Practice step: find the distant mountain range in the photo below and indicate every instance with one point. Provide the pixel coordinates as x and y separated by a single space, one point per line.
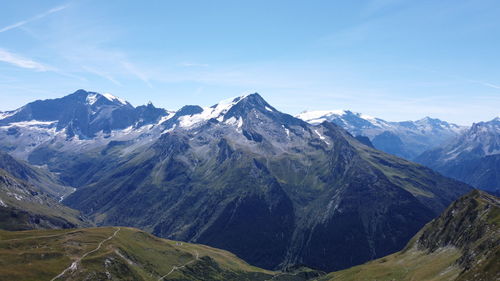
407 139
239 175
473 158
470 154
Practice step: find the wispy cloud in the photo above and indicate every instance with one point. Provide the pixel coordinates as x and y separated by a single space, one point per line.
37 17
22 62
133 70
486 84
26 63
103 75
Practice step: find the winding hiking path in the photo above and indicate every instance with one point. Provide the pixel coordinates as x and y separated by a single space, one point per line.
74 265
179 267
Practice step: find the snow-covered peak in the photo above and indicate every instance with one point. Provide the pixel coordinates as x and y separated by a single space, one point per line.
216 111
319 116
110 97
92 98
430 124
482 136
344 118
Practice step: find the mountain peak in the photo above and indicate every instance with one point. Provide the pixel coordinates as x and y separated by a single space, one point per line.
237 107
112 98
92 98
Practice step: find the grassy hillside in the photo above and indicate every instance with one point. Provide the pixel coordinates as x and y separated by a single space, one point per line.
119 253
462 244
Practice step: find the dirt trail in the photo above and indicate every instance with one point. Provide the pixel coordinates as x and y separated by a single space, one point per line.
74 265
179 267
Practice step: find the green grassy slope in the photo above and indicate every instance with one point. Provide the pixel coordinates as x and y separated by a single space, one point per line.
119 253
462 244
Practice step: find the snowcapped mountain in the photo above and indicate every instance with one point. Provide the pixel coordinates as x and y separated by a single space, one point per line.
474 157
239 175
406 139
82 114
79 119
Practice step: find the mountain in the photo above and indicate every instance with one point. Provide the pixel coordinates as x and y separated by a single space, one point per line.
267 186
121 253
77 117
473 158
462 244
23 206
40 177
406 139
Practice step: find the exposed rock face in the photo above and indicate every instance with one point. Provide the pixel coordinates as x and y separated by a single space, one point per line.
462 244
472 224
23 207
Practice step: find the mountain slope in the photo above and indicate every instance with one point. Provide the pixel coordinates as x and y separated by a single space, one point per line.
269 187
120 253
473 158
23 206
44 180
406 139
461 244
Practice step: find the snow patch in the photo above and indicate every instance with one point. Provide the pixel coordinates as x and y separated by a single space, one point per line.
319 116
321 137
166 117
30 123
2 203
235 122
7 114
91 99
217 112
110 97
268 109
286 130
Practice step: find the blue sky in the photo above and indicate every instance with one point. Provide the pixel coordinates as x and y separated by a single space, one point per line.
393 59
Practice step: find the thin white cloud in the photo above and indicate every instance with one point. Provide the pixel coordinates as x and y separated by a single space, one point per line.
26 63
103 75
490 85
37 17
133 70
22 62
